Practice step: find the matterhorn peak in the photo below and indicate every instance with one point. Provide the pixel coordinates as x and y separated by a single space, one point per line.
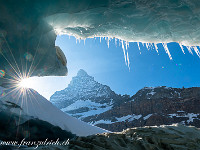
82 72
84 88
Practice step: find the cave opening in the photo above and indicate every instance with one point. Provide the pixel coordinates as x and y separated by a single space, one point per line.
104 59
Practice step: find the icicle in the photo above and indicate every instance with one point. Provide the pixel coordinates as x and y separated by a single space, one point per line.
156 48
76 40
167 50
100 39
120 42
148 46
115 42
190 49
151 45
196 51
108 41
84 41
181 46
138 45
128 60
126 45
143 45
124 52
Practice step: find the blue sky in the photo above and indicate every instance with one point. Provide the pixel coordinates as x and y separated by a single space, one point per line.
108 67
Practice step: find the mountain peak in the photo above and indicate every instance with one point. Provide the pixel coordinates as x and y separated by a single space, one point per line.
82 72
81 80
84 89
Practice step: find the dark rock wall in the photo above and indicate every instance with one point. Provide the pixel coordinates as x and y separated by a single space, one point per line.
161 107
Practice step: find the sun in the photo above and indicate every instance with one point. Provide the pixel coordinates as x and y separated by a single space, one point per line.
25 83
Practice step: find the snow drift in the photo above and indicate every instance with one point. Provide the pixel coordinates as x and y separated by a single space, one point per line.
34 105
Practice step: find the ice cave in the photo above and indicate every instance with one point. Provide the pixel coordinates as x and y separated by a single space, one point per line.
28 30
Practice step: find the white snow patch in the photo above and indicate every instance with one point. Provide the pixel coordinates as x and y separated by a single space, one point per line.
191 116
147 117
181 111
94 108
102 121
134 117
128 118
121 119
93 112
124 118
152 93
81 103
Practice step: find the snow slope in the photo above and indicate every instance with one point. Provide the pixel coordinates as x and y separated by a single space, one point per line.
94 108
38 107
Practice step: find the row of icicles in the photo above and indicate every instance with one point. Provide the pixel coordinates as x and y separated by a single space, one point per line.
125 45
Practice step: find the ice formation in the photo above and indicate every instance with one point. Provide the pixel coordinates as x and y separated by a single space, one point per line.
28 29
149 22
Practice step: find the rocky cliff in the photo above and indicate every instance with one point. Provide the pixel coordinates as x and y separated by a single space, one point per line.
153 106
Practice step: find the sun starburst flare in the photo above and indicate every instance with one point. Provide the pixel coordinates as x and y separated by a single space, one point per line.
25 82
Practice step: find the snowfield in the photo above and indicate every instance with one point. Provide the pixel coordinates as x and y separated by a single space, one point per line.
36 106
128 118
94 108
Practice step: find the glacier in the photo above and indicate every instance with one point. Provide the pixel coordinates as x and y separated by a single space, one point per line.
148 22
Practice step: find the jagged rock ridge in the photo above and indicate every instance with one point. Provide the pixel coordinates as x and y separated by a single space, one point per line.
153 106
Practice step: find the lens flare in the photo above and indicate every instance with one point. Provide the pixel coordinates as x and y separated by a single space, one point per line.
2 93
28 56
2 73
25 83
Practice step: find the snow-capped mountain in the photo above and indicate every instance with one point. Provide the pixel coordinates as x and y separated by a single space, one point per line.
86 97
33 106
98 105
